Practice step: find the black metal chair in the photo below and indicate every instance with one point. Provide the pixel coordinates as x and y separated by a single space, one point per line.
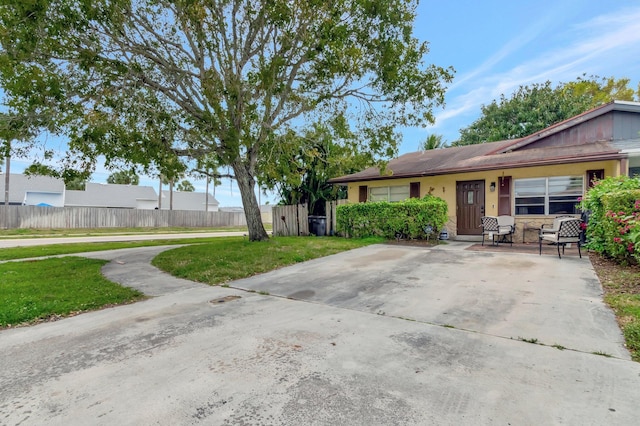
569 231
489 227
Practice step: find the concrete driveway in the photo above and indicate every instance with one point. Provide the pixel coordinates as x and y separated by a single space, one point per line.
379 335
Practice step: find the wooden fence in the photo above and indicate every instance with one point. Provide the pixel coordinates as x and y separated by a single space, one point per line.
294 219
87 217
290 220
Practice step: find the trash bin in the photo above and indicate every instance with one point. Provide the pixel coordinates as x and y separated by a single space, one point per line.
444 234
318 225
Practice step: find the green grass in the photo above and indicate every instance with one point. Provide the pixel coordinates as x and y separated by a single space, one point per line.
33 233
627 310
223 260
38 290
72 248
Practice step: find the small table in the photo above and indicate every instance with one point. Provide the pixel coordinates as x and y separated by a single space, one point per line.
526 227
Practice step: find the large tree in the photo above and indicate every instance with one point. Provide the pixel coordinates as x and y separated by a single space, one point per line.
303 163
123 177
536 107
147 81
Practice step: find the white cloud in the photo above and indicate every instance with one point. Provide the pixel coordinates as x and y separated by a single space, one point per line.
605 45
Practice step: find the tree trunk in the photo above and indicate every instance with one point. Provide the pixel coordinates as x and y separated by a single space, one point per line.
206 197
160 194
171 194
7 178
247 184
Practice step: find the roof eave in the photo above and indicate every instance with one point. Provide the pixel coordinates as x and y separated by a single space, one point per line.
612 155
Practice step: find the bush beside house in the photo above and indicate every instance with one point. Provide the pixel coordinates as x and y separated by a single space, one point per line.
614 224
410 218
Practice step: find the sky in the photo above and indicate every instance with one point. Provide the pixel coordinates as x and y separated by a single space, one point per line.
495 46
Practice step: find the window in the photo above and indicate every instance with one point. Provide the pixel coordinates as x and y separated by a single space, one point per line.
553 195
389 193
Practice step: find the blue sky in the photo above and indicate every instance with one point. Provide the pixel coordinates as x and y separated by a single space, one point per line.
495 47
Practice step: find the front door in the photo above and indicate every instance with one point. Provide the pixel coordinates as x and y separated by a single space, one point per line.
469 206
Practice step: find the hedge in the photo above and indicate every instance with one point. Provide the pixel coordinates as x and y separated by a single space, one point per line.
614 224
409 219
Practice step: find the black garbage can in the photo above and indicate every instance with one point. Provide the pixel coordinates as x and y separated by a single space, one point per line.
318 225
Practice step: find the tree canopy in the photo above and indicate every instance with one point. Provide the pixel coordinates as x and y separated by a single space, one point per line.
433 142
123 177
151 82
538 106
185 186
303 163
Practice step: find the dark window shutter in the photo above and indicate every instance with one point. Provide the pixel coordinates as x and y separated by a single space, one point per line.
594 175
504 195
364 193
414 190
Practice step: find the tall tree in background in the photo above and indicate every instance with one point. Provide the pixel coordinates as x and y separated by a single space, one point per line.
123 177
151 79
433 142
185 186
536 107
303 163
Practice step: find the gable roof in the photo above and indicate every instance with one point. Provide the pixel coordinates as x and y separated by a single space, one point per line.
504 154
110 195
19 184
574 121
187 200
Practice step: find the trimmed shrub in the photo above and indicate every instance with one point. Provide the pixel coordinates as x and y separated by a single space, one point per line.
409 218
614 224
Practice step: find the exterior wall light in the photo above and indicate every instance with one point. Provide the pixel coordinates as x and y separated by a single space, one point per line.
492 187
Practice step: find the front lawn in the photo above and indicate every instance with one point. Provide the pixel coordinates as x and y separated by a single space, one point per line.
47 289
621 285
221 261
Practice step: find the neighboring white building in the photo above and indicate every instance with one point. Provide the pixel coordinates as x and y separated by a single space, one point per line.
114 196
33 190
194 201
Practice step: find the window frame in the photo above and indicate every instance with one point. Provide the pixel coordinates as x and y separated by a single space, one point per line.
548 199
388 195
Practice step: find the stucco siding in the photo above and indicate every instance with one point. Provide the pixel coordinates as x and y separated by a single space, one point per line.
444 186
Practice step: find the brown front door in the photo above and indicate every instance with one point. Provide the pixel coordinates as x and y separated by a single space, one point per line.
470 206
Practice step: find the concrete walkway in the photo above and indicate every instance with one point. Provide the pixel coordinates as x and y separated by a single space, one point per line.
379 335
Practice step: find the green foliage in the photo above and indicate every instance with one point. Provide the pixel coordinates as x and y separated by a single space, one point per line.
536 107
614 223
185 186
123 177
73 179
301 164
408 218
150 81
433 142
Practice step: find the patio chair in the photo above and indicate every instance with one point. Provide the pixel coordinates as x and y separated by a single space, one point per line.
569 231
506 227
489 227
551 229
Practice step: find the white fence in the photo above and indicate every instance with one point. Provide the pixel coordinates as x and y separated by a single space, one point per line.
87 217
